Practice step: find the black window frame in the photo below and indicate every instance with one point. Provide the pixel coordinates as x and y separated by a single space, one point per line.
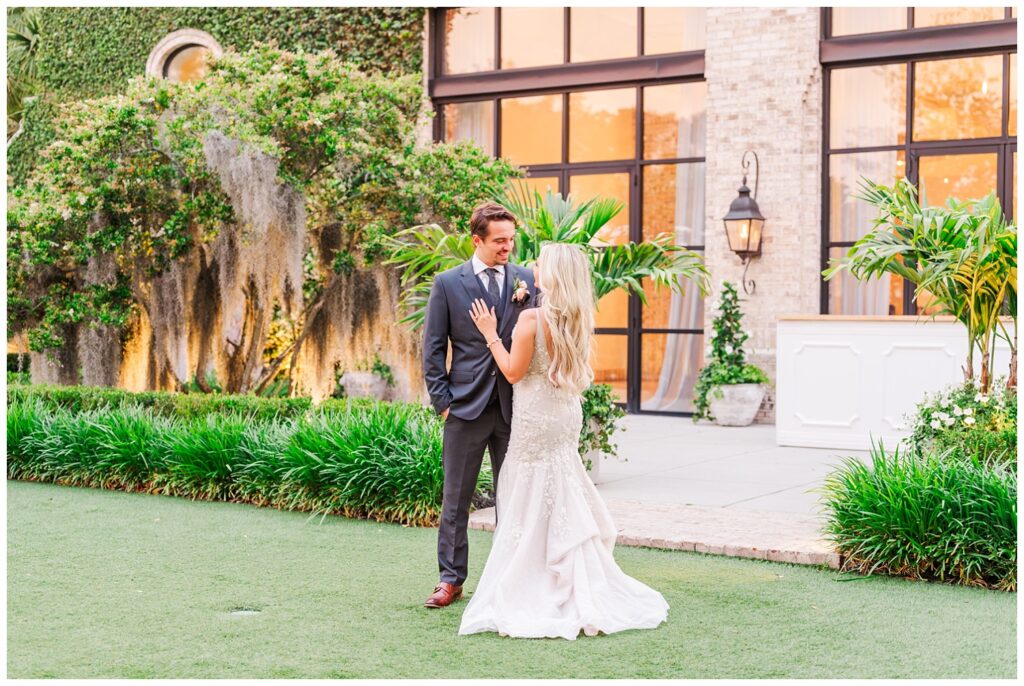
563 79
909 47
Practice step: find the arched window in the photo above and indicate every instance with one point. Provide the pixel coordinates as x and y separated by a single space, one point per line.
181 56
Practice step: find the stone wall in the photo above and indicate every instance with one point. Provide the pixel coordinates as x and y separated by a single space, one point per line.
210 312
765 94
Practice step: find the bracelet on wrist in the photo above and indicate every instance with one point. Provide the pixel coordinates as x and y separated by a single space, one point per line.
496 340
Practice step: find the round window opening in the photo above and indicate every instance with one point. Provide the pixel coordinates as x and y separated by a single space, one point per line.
183 56
187 63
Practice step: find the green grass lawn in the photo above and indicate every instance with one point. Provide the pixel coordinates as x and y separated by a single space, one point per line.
109 584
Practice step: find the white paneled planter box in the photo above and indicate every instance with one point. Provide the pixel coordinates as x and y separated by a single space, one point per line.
845 380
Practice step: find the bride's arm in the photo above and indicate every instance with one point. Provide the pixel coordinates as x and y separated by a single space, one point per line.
513 364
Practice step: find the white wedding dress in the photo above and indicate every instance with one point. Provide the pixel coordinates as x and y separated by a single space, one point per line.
550 572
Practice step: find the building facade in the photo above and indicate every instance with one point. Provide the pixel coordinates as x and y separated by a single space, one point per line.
656 107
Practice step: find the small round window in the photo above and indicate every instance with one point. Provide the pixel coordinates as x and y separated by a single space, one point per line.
183 56
187 63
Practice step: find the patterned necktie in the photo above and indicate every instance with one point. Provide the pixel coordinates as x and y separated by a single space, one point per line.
492 286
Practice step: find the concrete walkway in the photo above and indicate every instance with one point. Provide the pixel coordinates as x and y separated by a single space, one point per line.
720 490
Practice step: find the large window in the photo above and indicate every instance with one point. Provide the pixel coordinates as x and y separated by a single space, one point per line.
945 120
615 132
847 21
482 39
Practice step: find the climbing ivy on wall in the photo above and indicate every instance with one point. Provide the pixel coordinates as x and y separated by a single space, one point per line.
87 52
37 132
90 51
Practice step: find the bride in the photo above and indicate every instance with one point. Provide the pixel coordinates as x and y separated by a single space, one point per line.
550 572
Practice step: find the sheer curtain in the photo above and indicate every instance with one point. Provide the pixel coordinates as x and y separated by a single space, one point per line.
683 351
867 108
472 121
850 219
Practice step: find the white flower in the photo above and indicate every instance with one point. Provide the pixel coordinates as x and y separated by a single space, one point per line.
942 415
950 421
968 420
957 411
935 424
983 399
968 411
944 402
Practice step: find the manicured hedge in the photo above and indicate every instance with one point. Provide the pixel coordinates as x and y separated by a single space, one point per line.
181 405
935 516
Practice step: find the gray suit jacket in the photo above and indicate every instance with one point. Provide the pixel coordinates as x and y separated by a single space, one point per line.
467 386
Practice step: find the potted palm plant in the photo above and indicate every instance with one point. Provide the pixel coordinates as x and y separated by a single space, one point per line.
729 390
964 255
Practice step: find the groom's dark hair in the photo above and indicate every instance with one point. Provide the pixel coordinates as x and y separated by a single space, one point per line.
486 213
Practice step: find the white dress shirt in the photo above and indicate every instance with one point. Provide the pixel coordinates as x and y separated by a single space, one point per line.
480 269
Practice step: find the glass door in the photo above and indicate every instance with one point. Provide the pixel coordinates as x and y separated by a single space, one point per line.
615 336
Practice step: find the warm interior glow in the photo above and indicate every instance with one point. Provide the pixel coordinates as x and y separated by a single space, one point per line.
531 129
472 121
602 125
851 20
673 29
532 36
951 101
468 40
675 120
188 65
602 33
612 309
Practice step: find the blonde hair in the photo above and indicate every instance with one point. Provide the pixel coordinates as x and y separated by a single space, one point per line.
568 308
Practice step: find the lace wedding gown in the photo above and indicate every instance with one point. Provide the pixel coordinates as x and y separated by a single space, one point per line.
550 572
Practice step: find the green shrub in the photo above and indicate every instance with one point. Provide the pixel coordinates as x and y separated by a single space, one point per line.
926 516
181 405
961 421
357 458
599 405
202 456
18 378
24 419
258 479
384 459
109 448
726 361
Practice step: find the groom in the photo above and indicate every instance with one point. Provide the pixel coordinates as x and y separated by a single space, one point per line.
474 397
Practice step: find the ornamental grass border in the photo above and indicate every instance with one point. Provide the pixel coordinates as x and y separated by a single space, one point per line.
363 459
936 516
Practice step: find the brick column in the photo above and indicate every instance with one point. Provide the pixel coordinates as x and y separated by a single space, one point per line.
764 93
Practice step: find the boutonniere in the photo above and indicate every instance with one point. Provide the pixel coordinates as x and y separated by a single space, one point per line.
520 292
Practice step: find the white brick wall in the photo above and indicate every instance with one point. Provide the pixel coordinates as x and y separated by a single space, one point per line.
764 93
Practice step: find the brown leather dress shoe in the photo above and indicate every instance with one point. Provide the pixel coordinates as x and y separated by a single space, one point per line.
444 595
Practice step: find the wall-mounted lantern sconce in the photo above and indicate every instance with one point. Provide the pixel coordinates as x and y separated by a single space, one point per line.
743 222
